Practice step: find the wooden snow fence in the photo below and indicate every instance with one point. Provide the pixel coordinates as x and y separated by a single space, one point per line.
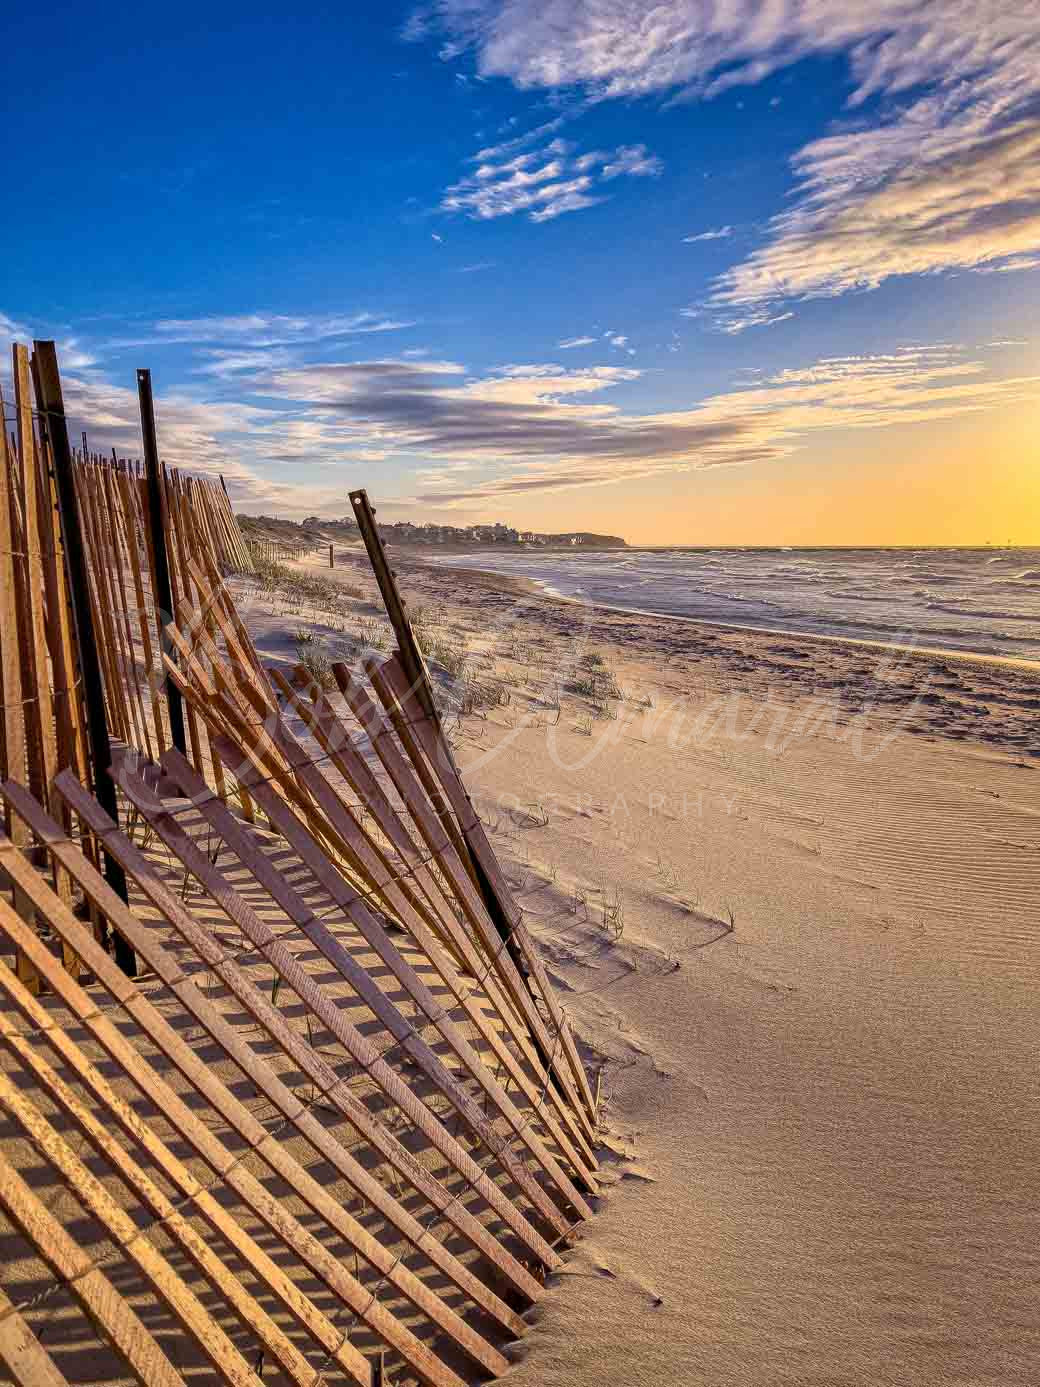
46 713
337 1128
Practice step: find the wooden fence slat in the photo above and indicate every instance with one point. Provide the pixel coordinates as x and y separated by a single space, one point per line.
331 734
130 531
431 741
12 689
310 701
404 1031
225 1358
388 1147
25 1358
213 593
62 680
359 1047
99 1134
375 872
247 1059
113 1317
307 700
401 770
180 586
179 525
13 743
113 508
103 604
67 690
286 1227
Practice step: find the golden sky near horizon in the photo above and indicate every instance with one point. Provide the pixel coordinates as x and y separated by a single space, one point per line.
971 481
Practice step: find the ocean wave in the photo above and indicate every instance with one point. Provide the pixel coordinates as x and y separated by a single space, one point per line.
981 614
967 600
847 595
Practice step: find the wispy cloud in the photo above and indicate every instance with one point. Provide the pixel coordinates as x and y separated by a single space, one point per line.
965 198
13 331
543 427
275 329
719 234
544 182
518 142
520 429
741 322
227 363
946 176
570 342
632 161
192 434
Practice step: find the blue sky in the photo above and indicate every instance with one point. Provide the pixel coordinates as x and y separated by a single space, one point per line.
548 262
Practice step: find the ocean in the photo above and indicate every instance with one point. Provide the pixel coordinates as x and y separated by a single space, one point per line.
983 601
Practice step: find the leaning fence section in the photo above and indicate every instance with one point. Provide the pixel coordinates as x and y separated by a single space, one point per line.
289 1095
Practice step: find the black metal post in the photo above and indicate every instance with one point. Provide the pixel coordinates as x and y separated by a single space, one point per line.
53 422
163 594
418 677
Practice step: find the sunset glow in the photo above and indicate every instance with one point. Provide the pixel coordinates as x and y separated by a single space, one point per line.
740 276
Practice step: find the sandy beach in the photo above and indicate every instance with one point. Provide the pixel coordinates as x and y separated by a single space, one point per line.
789 891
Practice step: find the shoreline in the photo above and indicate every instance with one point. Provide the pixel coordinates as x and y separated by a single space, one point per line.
933 651
946 695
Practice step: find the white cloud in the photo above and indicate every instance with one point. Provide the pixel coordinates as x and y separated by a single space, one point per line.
620 48
274 329
632 161
965 197
544 182
757 319
576 342
72 354
192 434
719 234
13 331
567 197
226 364
944 177
511 146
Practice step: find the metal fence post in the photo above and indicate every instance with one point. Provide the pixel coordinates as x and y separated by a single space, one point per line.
52 412
164 595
